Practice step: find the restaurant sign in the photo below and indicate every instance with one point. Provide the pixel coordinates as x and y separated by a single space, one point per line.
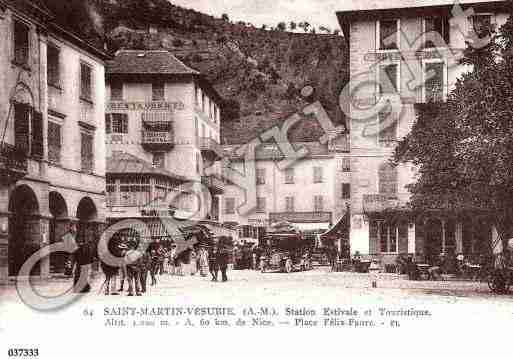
146 106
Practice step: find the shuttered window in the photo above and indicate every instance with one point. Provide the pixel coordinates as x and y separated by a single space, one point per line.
318 203
53 66
229 206
21 43
87 154
116 91
21 127
389 78
318 175
261 205
387 128
260 176
86 82
388 34
289 176
54 142
436 27
157 91
289 204
116 123
37 135
434 84
346 190
346 164
387 177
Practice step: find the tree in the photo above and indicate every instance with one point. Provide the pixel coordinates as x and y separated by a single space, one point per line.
282 26
292 26
264 27
464 148
225 17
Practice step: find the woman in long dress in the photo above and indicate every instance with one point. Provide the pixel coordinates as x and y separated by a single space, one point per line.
203 261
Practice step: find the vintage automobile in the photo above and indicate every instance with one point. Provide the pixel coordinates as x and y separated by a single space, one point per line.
286 252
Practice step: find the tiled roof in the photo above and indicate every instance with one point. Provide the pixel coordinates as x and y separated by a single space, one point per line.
124 163
159 62
271 151
307 129
360 5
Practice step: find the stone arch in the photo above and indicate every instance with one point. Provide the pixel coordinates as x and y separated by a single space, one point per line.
87 215
24 227
59 224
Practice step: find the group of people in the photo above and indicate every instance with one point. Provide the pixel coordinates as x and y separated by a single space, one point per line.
131 267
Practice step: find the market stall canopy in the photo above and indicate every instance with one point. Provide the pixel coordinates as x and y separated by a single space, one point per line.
339 230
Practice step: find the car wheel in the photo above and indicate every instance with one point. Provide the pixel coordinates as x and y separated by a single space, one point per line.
288 266
497 283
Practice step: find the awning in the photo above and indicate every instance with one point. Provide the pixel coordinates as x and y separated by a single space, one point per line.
340 229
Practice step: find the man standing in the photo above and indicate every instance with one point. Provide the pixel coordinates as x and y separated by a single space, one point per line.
83 258
212 263
222 260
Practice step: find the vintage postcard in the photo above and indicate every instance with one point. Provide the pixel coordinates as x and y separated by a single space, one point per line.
245 178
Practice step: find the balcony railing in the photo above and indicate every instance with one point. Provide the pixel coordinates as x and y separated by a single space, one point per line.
210 148
157 140
215 184
13 163
301 217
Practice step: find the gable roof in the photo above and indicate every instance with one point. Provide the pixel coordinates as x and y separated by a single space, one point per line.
307 129
149 62
362 5
272 151
126 163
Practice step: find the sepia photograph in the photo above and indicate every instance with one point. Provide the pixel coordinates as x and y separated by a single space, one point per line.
245 178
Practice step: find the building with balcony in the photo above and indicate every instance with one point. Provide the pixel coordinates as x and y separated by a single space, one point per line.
408 50
312 193
163 122
52 145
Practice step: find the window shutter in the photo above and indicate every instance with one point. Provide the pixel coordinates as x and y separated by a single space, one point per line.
54 142
37 134
446 30
21 127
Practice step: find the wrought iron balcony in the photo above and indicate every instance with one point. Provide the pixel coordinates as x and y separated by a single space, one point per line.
13 163
215 184
157 140
301 217
210 149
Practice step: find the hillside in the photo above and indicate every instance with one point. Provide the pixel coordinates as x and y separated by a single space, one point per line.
259 73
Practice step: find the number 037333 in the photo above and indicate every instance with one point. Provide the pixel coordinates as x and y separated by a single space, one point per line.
23 353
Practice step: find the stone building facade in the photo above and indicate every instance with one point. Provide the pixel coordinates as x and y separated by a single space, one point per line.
311 194
163 122
406 50
52 154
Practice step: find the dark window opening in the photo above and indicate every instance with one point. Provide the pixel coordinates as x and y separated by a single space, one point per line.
388 30
21 43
